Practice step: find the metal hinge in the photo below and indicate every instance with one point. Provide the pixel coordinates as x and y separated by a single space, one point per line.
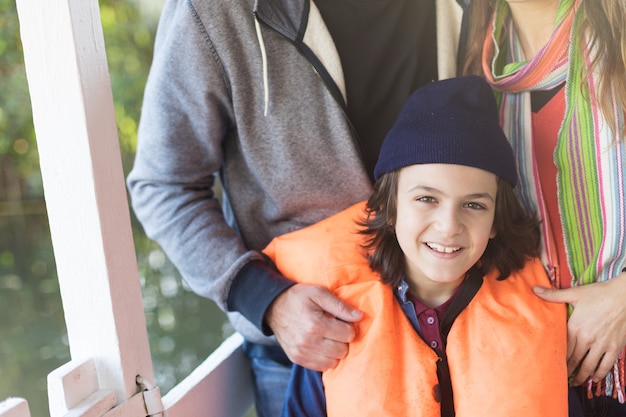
151 397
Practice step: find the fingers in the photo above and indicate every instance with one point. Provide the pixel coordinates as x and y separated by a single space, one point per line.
303 320
317 343
594 364
604 367
553 295
574 357
323 355
332 329
590 357
583 369
334 306
596 329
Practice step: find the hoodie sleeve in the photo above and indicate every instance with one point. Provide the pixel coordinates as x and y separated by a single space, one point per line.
186 116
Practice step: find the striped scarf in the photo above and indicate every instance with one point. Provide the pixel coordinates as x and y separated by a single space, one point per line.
590 163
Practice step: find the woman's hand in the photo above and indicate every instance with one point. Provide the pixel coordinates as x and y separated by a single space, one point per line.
596 330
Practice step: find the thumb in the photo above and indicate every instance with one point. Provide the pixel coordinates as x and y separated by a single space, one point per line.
337 308
554 295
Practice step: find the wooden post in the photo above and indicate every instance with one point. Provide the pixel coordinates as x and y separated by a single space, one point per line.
84 189
14 407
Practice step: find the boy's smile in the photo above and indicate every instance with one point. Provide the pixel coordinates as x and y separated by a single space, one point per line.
444 221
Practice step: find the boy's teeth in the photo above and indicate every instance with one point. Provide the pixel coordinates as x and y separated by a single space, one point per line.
440 248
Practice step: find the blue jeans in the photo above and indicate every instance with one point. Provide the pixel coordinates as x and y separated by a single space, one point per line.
600 406
270 375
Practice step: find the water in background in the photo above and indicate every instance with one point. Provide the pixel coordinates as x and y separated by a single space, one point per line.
183 328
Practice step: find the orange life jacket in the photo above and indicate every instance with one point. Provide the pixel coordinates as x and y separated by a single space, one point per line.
506 350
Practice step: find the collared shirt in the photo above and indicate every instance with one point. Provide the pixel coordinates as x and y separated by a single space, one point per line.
429 318
425 320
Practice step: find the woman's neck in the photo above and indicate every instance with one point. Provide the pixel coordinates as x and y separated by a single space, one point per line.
534 22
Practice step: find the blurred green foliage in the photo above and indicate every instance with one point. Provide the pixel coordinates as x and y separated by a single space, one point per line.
18 155
182 327
128 33
129 38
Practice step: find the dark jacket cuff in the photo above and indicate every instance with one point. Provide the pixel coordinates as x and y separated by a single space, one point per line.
254 288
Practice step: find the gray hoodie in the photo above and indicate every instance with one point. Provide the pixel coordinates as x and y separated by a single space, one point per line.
252 94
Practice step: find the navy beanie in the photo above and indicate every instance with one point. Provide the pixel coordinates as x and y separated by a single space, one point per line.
453 121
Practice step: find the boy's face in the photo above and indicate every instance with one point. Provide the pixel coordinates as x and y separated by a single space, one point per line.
444 221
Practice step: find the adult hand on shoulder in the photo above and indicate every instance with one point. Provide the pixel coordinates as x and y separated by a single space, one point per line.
596 330
313 326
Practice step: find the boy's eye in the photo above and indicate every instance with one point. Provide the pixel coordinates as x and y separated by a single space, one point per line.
475 206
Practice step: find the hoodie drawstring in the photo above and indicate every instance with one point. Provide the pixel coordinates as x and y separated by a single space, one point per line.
266 90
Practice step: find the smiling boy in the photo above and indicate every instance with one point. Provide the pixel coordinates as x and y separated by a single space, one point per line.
441 261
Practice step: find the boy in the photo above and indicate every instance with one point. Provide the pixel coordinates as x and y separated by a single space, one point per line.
440 260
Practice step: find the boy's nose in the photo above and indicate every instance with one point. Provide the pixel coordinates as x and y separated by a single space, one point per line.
449 222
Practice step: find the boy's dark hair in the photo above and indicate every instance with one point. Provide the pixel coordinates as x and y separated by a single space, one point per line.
517 233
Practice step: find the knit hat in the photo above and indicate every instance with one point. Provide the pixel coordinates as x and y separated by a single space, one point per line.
454 121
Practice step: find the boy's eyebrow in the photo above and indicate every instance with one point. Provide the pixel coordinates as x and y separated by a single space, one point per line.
481 195
436 190
424 188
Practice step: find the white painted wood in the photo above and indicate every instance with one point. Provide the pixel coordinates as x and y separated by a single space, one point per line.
70 384
95 405
133 407
84 189
14 407
89 220
219 387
